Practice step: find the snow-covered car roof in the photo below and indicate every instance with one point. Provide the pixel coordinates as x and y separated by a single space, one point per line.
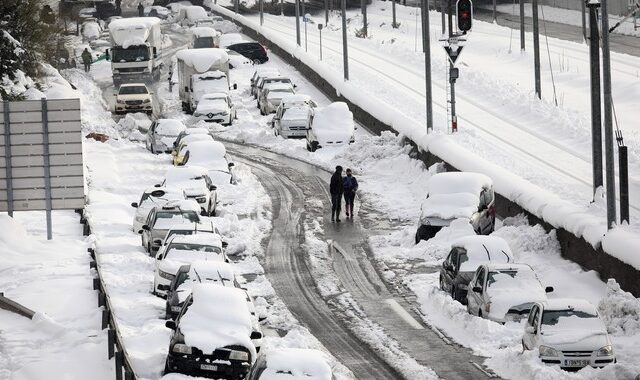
212 271
454 194
206 151
279 92
132 30
183 173
570 304
203 59
188 139
204 31
197 238
194 12
170 127
230 39
295 99
512 285
296 363
182 204
209 326
481 249
215 95
333 121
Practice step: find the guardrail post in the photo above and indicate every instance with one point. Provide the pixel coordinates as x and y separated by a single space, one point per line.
128 375
111 342
105 318
119 360
101 299
96 284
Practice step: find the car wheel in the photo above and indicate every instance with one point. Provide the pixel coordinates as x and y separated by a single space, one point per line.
257 61
314 146
479 313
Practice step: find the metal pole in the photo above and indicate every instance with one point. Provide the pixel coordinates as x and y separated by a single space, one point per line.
321 44
393 12
495 18
596 117
536 48
608 122
298 22
584 20
624 183
454 120
304 14
450 18
7 157
47 166
363 4
522 25
326 12
444 25
281 7
305 33
261 12
236 5
426 43
345 53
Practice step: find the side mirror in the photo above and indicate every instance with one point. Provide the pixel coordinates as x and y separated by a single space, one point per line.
134 204
256 335
231 164
235 86
529 330
477 289
157 185
548 289
260 319
163 287
225 244
146 228
170 325
212 187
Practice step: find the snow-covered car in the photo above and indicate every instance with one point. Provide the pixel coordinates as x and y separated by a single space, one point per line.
504 292
209 271
568 333
213 334
332 126
133 97
162 134
157 11
99 44
205 37
184 249
91 30
293 116
108 21
178 153
203 227
261 72
209 82
189 15
230 38
270 98
153 197
467 253
266 82
211 155
216 108
189 131
457 195
291 363
197 185
237 60
161 219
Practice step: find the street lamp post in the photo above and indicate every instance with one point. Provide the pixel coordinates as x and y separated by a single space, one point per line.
345 52
320 30
298 22
306 19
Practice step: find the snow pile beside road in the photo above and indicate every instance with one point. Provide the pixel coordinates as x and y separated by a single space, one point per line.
620 310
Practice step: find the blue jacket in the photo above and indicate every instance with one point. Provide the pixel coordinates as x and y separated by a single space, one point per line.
350 184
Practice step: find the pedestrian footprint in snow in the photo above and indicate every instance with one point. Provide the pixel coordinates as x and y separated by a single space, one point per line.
87 60
335 188
350 186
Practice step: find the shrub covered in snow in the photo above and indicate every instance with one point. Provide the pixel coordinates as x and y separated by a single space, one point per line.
620 310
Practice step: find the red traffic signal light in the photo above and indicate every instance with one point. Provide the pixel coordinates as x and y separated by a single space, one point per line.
464 13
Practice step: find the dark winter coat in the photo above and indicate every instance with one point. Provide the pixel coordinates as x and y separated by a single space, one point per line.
86 57
350 184
336 187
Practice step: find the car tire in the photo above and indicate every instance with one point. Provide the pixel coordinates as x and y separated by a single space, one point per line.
479 313
257 61
314 146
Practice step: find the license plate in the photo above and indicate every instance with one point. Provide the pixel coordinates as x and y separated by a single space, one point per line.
577 363
208 367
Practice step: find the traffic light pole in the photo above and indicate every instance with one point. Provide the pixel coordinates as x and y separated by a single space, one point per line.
454 118
596 117
522 25
345 49
298 22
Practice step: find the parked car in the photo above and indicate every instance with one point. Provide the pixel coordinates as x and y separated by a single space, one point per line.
216 272
293 363
457 195
237 60
332 126
189 15
205 37
504 292
293 116
190 131
184 249
264 82
133 97
270 98
197 185
162 134
467 253
261 72
252 50
203 227
216 108
157 11
178 153
155 196
569 333
91 30
209 82
213 156
161 219
217 323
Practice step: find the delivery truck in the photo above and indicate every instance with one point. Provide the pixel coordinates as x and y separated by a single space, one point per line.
201 71
136 49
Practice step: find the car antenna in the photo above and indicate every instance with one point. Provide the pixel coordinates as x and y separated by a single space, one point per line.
488 254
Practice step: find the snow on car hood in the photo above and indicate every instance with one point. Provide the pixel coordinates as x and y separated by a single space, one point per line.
333 123
296 363
572 332
208 326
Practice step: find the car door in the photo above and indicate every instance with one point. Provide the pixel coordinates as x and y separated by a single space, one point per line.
145 233
528 339
485 218
450 270
476 299
150 134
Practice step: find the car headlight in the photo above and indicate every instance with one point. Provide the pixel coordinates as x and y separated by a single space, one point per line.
166 275
146 101
547 351
238 355
176 308
606 351
181 349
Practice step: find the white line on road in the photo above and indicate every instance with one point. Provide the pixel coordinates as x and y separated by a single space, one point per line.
403 314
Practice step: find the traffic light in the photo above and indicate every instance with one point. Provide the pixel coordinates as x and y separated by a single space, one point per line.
464 13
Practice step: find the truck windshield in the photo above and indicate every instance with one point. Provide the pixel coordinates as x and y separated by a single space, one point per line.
203 42
131 90
132 54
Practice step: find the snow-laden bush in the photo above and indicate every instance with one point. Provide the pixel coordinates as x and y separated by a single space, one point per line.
620 310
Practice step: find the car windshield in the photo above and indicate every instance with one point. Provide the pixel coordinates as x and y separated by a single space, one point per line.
192 247
131 90
552 317
191 216
131 54
203 42
494 276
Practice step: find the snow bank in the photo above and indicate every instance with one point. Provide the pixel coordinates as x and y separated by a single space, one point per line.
620 310
297 363
203 59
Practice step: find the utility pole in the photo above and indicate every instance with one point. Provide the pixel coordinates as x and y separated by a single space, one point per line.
442 15
345 52
452 82
623 176
236 5
608 122
363 5
495 18
326 12
281 7
584 21
306 19
298 22
426 45
261 12
596 121
320 30
521 25
393 12
536 48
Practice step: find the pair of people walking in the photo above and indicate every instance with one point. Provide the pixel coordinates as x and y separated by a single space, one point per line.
342 186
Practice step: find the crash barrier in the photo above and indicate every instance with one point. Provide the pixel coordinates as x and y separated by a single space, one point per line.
573 248
124 369
14 307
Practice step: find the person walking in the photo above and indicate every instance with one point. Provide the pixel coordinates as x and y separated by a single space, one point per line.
350 186
87 60
140 10
335 188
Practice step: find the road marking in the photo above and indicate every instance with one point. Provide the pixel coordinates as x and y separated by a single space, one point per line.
403 314
478 366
